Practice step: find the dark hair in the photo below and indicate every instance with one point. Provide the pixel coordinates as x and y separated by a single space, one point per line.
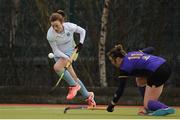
117 51
56 16
61 12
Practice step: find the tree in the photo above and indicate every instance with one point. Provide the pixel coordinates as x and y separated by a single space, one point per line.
43 9
12 37
103 33
14 23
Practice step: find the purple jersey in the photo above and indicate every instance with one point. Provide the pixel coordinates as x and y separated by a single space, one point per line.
138 61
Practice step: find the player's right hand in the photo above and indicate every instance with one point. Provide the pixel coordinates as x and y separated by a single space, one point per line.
78 47
110 107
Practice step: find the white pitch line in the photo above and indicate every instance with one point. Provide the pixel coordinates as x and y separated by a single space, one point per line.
4 109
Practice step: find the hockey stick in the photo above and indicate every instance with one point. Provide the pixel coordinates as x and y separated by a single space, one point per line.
123 76
83 108
73 58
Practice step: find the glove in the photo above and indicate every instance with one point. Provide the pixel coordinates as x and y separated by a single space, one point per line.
110 107
78 47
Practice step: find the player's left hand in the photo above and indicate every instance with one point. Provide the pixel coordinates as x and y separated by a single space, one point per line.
78 47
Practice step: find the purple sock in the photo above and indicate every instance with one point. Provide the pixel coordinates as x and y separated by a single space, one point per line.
155 105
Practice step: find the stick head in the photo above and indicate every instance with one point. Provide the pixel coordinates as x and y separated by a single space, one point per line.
65 110
52 89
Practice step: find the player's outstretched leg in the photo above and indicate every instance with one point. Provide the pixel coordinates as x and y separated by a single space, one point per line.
156 108
90 100
74 87
89 96
163 112
73 91
154 105
159 109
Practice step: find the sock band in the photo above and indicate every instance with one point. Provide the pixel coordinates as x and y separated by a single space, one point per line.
155 105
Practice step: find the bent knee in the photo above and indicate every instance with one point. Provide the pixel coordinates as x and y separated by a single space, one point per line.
58 68
60 64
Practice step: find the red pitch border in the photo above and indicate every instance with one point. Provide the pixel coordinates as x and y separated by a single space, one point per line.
64 105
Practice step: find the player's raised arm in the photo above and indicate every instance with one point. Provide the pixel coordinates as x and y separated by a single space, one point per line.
82 33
